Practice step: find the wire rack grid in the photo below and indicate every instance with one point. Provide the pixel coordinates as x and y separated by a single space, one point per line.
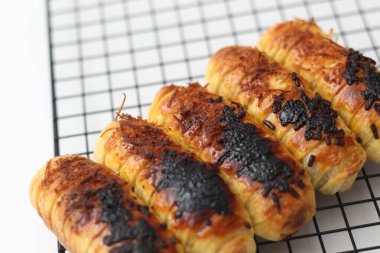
101 48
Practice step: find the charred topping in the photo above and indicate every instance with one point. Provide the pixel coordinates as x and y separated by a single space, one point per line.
277 103
276 200
374 131
339 142
294 193
311 160
297 181
98 196
217 100
247 225
363 69
139 237
144 210
377 108
197 187
296 79
359 140
300 183
327 140
295 112
172 241
244 145
316 114
269 124
149 155
163 225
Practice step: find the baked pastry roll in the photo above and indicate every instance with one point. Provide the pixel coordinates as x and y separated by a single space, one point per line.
306 124
340 75
185 193
273 187
91 210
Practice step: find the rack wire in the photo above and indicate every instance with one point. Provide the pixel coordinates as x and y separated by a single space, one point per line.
101 48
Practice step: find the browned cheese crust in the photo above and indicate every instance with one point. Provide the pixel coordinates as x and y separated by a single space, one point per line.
186 194
340 75
245 75
91 210
265 177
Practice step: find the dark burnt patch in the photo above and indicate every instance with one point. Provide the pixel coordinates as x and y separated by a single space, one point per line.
196 185
244 145
296 79
294 112
269 124
311 160
198 188
139 237
377 108
374 131
363 69
277 104
217 100
315 114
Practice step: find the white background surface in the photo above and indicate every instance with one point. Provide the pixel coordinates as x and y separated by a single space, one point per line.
25 125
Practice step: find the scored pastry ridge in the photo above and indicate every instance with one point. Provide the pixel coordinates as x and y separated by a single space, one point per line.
273 187
185 193
305 123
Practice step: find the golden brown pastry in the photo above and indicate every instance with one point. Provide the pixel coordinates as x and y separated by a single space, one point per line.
340 75
304 123
186 194
92 210
274 188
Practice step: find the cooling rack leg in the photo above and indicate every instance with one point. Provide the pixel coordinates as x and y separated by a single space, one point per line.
61 249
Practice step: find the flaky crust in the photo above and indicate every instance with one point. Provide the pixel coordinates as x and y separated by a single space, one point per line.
304 48
189 116
69 194
245 75
136 151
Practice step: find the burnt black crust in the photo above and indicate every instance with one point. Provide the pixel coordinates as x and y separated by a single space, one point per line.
244 145
316 114
196 185
235 145
363 69
269 124
294 111
198 188
374 131
277 104
311 160
93 195
296 79
139 237
217 100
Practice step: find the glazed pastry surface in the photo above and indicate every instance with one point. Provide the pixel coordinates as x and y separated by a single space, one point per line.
91 210
274 188
282 102
340 75
186 194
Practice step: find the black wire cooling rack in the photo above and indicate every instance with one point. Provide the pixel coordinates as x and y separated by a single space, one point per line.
101 48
